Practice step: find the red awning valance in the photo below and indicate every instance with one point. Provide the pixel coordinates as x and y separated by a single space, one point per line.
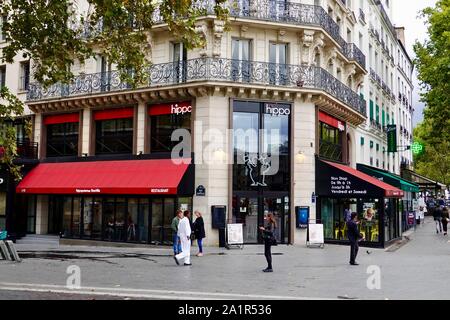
118 113
105 177
331 121
62 118
170 108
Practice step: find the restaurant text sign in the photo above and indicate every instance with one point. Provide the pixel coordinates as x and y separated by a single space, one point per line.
341 185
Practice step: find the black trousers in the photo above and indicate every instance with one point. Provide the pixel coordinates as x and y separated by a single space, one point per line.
444 225
354 248
268 253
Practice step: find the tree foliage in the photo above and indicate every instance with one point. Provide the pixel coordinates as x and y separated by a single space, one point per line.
434 162
56 34
433 65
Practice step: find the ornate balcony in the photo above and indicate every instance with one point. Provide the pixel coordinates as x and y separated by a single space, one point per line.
284 12
209 70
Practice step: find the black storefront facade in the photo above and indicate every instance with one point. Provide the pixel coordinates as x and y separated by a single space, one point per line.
129 200
339 187
262 135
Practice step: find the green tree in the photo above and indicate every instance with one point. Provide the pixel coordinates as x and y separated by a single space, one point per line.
434 162
433 65
56 34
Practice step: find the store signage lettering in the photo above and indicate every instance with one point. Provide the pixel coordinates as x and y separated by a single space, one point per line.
175 109
165 190
392 138
87 190
276 110
342 185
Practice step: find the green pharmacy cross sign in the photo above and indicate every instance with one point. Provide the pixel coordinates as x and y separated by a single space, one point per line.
417 148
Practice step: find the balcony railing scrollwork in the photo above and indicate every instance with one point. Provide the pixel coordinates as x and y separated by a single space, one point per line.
284 12
210 69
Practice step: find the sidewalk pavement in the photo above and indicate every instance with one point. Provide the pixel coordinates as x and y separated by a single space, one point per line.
409 272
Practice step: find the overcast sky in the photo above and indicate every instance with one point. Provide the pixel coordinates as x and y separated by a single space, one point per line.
405 14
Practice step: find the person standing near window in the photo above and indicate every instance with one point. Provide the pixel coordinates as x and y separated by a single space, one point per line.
175 237
199 231
269 239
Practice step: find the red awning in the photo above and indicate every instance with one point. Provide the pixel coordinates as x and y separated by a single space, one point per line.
390 191
62 118
116 113
105 177
331 121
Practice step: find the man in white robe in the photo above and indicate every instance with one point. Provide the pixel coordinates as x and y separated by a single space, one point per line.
184 233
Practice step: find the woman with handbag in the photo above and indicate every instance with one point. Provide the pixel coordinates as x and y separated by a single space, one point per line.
199 232
269 239
445 219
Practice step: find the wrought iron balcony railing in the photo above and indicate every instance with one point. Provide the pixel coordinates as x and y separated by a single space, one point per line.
285 12
210 69
27 149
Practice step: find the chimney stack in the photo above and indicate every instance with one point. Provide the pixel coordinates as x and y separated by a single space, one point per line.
401 35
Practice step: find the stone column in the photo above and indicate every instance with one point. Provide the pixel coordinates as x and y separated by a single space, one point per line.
211 170
140 127
304 135
86 131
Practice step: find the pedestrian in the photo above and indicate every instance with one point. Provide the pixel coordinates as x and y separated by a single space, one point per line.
422 209
269 239
184 232
437 215
175 237
445 219
354 236
347 214
199 232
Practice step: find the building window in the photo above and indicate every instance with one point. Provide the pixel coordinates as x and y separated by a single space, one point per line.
371 161
362 141
62 140
62 135
378 147
114 136
179 58
241 53
24 75
164 120
2 76
330 142
371 144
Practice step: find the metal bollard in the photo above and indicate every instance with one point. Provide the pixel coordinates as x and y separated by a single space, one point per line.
13 251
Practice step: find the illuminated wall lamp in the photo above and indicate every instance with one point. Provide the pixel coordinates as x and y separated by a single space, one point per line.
300 157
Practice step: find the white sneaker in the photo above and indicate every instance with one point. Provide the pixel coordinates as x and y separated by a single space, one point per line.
199 254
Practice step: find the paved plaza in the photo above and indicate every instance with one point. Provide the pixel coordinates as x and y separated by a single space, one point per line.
409 271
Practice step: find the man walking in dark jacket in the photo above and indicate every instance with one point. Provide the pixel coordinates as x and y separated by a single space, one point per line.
354 236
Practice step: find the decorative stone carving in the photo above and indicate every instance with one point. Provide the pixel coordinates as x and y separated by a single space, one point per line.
306 43
281 34
202 30
219 26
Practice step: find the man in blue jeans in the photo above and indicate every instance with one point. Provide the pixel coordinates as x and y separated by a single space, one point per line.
174 226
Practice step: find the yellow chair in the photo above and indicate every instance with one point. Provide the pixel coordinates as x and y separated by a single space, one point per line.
375 235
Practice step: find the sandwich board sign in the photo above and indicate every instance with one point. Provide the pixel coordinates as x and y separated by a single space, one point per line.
235 234
315 235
